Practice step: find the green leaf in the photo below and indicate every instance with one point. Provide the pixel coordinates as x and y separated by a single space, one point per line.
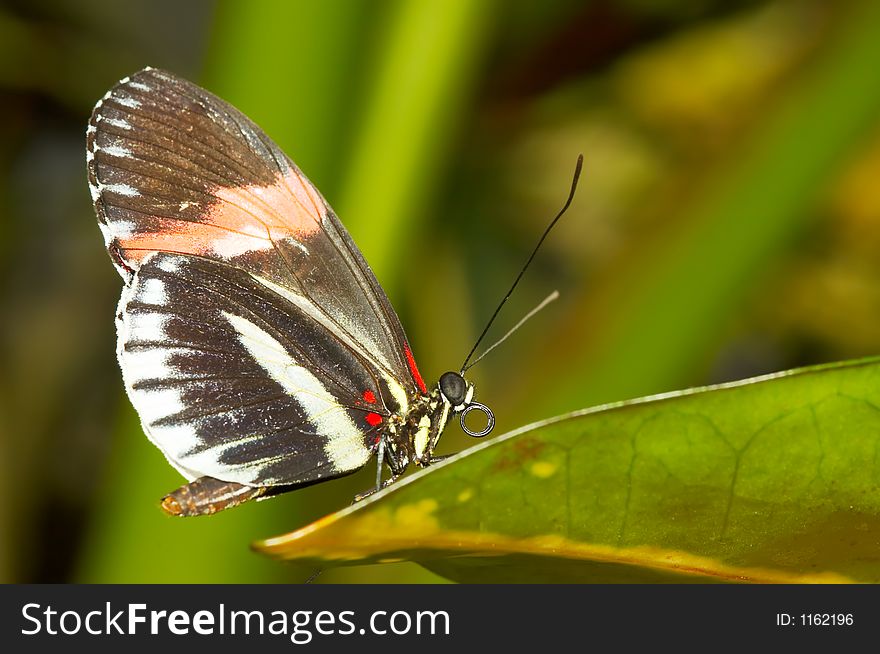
773 479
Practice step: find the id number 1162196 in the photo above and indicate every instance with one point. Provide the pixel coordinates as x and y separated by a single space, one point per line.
815 619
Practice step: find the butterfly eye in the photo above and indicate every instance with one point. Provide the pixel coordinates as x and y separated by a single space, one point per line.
454 388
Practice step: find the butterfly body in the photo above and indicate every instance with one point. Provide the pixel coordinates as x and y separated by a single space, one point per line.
256 344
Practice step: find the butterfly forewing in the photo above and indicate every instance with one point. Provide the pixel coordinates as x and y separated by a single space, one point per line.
255 342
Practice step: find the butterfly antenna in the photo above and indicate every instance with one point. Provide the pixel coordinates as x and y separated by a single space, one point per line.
547 300
574 182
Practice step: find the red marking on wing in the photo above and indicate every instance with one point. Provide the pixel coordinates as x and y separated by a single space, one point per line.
369 396
120 261
373 418
245 219
414 370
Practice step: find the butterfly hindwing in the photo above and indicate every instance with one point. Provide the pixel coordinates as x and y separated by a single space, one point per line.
232 381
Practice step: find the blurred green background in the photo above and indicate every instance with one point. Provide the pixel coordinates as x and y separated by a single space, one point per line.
727 223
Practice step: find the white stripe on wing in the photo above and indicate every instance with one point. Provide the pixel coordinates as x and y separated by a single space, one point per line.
344 444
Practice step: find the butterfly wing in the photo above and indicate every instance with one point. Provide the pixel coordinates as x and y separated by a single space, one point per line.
255 342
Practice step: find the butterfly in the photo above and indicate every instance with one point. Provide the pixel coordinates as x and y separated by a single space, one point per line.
255 343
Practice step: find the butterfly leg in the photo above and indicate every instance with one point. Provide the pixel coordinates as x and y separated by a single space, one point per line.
442 457
207 495
396 473
378 487
380 459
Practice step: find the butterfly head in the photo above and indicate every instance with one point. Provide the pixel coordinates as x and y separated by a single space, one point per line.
458 393
453 395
